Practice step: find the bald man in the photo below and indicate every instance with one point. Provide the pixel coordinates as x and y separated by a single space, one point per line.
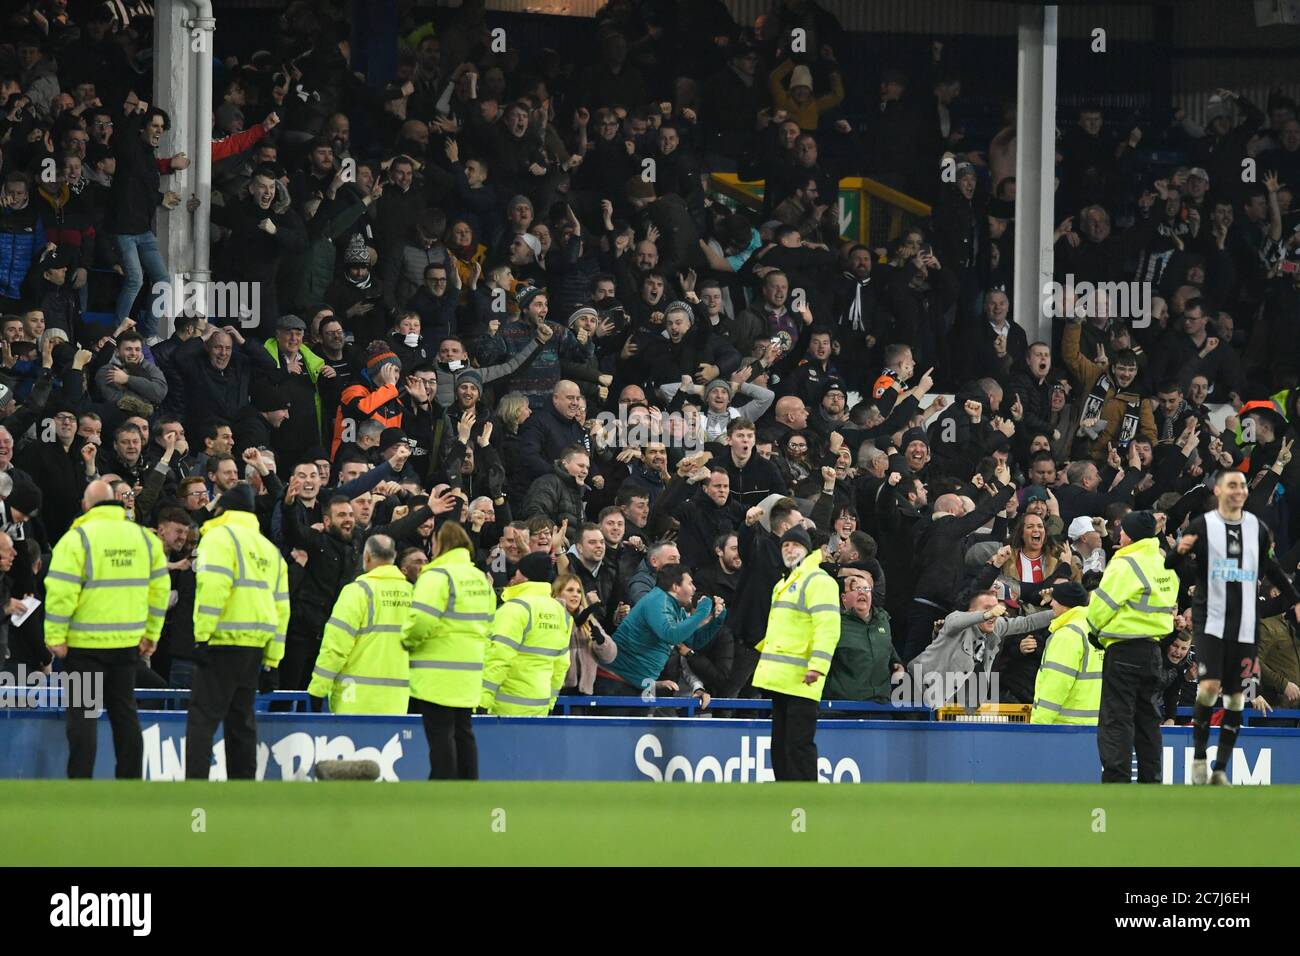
940 556
105 599
546 435
791 413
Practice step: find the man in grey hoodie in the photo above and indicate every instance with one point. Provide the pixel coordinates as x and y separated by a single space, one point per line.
967 642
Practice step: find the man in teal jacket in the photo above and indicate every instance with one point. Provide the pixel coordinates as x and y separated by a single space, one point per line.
657 624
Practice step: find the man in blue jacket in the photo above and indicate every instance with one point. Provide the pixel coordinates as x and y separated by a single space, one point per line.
22 238
658 624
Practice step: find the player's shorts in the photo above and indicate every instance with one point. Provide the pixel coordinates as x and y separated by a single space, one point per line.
1230 662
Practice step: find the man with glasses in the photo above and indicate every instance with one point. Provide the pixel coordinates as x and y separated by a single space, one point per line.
435 302
865 659
60 467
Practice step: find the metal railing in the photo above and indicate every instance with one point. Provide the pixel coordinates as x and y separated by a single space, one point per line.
14 700
870 212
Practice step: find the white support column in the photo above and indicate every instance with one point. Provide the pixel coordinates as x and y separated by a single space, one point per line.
1035 166
174 92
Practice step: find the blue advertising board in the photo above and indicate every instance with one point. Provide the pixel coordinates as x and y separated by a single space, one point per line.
32 745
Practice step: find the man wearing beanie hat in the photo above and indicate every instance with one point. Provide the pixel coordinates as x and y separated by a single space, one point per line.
798 101
1068 688
719 408
530 330
258 425
377 400
528 656
803 629
1131 610
241 617
105 601
356 298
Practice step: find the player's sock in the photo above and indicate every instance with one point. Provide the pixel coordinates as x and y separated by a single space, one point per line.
1201 728
1227 739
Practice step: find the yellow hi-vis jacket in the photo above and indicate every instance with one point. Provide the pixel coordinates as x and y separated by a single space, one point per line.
447 629
241 587
803 629
529 653
108 585
1068 689
362 666
1137 597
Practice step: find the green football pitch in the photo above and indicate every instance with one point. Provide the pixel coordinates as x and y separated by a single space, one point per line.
111 823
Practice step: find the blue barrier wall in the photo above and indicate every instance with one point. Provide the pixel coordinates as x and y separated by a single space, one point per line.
32 745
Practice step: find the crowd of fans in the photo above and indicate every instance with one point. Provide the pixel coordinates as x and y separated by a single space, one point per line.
497 290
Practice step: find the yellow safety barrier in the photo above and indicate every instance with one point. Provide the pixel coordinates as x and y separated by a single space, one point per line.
870 212
986 713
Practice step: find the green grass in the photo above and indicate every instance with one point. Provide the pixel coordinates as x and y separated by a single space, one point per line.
344 824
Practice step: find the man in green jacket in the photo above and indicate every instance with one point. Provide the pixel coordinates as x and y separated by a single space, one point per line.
300 370
865 659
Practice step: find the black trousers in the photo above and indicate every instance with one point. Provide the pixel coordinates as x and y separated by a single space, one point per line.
453 752
794 727
225 683
1130 681
118 667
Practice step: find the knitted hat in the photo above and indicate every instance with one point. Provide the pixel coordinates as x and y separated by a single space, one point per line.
357 253
801 76
1070 594
537 567
911 435
238 498
834 385
378 356
1138 525
520 200
471 375
799 536
25 497
390 437
580 312
719 383
526 295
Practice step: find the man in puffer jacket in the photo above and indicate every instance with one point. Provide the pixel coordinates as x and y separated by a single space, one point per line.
22 238
558 496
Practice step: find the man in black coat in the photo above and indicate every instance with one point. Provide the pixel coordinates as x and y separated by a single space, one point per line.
218 375
333 560
545 435
59 468
753 477
702 503
939 558
262 229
